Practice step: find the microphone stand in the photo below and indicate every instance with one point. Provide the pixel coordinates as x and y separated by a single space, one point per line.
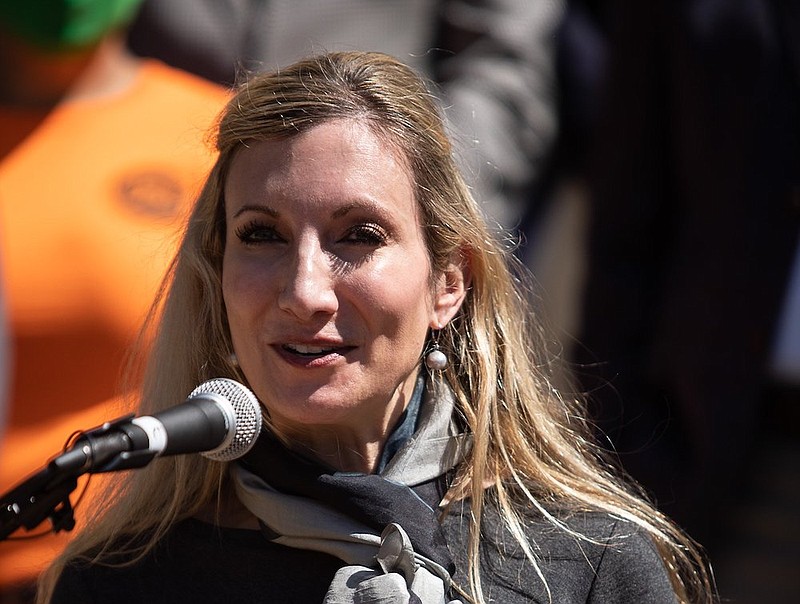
46 494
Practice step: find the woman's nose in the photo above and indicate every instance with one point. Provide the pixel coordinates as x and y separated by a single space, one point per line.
309 287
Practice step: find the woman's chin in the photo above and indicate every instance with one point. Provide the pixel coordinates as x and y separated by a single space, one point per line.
302 415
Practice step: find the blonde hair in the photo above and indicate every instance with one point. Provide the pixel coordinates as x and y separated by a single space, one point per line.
530 445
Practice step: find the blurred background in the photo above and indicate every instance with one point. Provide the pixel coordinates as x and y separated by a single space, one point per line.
644 159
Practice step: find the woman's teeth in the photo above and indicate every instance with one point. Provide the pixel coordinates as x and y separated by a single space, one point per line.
308 350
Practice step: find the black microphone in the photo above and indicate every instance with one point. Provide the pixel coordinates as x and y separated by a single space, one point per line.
221 419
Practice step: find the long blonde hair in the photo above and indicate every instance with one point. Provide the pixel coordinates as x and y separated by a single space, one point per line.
530 445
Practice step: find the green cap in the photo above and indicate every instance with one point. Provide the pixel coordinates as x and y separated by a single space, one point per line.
65 24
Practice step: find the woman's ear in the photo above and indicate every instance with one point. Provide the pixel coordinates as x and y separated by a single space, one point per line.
451 289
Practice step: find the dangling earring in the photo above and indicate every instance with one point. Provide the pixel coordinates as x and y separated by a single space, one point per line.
233 359
435 359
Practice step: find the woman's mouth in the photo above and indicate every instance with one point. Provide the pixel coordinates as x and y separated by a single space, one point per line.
310 351
307 355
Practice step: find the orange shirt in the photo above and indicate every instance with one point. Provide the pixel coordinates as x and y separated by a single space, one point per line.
91 208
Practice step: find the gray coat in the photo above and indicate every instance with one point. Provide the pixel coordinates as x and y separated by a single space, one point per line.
493 60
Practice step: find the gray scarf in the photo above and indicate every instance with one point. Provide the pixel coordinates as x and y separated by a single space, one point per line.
388 537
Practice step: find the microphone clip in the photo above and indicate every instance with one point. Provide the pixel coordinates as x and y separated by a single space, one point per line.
115 445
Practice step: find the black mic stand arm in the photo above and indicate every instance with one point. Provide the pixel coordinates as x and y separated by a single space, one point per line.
115 445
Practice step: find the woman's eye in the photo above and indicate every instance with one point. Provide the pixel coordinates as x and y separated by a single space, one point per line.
254 233
366 234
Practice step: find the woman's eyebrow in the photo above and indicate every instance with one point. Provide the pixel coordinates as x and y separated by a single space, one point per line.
361 204
261 209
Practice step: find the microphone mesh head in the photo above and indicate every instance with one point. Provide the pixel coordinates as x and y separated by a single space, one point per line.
246 412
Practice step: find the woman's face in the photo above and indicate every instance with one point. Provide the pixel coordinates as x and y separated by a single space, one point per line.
326 277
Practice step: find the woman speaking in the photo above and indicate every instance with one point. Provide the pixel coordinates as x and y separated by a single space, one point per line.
414 448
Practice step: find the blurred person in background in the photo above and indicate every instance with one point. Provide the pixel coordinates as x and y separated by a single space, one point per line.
493 62
4 362
100 153
687 345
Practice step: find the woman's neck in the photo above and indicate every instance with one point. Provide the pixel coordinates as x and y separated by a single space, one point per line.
343 449
357 445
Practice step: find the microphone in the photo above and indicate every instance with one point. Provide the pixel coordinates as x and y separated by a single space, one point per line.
221 419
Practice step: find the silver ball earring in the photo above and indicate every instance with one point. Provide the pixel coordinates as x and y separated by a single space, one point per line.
435 359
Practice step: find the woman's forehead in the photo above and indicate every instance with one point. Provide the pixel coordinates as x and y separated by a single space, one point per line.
341 160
